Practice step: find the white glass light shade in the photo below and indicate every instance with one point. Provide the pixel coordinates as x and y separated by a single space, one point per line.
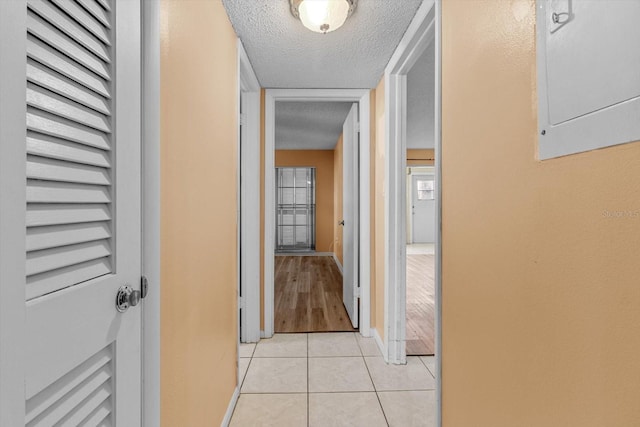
323 16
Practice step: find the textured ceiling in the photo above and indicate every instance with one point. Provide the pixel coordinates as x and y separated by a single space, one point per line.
309 125
284 54
421 101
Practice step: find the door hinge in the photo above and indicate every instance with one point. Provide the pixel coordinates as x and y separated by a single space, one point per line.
358 127
243 119
144 286
358 292
241 303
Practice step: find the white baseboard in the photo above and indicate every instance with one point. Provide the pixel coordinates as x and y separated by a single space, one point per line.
232 405
303 253
376 336
324 254
335 258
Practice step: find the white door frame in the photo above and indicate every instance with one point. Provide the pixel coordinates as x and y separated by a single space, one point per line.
362 97
249 200
13 161
419 35
410 197
425 28
151 212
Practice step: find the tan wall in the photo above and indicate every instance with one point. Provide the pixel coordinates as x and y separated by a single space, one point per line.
322 160
541 290
378 209
420 157
198 213
337 198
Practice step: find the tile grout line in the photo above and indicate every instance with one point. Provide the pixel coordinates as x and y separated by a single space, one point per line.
375 389
242 382
244 377
426 366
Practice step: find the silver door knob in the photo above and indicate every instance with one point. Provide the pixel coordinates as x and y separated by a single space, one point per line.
127 297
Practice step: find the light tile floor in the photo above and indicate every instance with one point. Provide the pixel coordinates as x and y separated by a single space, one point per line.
331 379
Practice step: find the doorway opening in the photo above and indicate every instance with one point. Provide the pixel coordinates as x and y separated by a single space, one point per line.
420 260
412 137
316 284
420 190
314 217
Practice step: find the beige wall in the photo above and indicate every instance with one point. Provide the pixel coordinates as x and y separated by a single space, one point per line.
322 160
420 157
541 289
378 216
338 198
198 213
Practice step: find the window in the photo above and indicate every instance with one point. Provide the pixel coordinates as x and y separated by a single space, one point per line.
295 209
425 190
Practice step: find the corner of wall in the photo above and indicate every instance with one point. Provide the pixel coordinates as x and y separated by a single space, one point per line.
198 222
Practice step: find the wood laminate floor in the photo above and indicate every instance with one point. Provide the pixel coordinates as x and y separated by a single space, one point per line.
308 295
420 305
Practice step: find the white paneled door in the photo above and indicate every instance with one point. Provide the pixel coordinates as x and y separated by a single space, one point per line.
82 217
350 215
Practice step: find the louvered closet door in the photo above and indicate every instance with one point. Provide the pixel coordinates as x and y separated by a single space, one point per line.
83 212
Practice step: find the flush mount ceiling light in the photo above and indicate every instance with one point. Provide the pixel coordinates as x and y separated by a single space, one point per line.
322 16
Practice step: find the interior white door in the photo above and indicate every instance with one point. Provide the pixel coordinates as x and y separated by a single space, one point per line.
350 215
423 209
82 357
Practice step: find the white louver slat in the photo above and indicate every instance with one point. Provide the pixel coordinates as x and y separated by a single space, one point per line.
56 61
45 100
85 19
81 397
69 161
98 9
71 27
54 148
45 214
37 74
42 29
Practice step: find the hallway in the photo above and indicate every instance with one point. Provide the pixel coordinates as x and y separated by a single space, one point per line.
308 295
331 379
